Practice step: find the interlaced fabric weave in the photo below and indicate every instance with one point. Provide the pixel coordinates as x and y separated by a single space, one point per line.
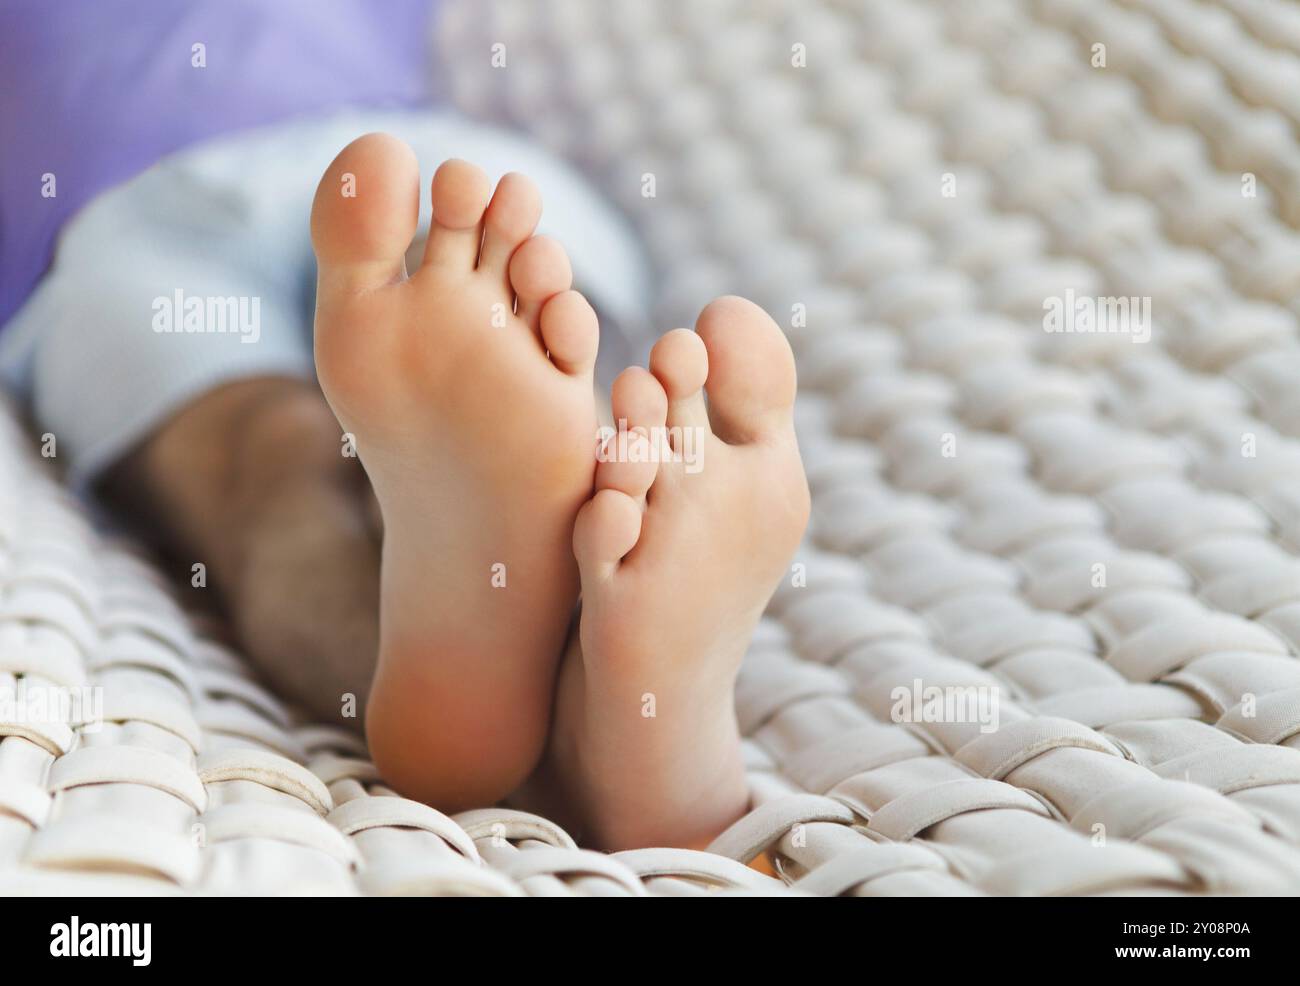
1097 528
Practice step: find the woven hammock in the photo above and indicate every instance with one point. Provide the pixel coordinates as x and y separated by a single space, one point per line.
1040 267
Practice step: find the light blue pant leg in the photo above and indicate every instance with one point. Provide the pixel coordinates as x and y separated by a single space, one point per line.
226 223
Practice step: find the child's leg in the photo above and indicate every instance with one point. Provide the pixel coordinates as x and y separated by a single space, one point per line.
168 353
249 480
677 566
468 388
221 443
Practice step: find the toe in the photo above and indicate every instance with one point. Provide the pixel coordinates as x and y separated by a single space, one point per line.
606 529
751 371
365 214
681 364
629 457
511 217
460 194
539 270
570 332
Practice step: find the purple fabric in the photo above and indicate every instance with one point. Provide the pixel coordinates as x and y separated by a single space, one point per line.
94 91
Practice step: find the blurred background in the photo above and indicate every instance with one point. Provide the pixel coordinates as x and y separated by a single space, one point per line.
915 190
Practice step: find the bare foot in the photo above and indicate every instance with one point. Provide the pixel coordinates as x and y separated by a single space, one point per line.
678 562
468 388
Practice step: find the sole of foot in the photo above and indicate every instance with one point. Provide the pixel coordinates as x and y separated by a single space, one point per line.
678 559
465 388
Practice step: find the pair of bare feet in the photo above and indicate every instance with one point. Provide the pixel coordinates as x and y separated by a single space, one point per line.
468 388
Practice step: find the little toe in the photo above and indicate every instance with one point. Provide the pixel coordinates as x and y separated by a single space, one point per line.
570 332
606 529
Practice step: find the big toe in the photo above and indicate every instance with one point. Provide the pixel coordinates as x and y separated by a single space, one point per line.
365 213
751 385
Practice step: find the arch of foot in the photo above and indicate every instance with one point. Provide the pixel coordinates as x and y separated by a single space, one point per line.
1062 551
